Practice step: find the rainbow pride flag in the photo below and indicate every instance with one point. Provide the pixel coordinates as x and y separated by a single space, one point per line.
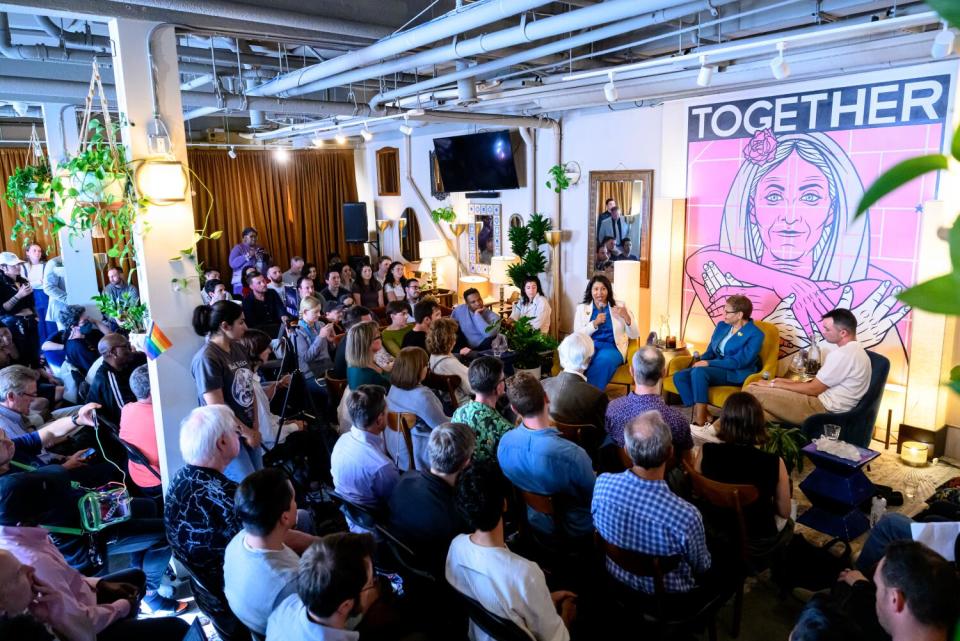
156 343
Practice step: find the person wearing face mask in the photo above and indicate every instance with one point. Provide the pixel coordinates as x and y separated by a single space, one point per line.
609 325
80 337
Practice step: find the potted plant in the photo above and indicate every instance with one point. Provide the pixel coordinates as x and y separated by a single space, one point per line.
527 344
98 175
786 442
443 213
526 241
30 184
129 313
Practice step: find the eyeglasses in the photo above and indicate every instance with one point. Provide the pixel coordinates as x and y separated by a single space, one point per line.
729 311
29 395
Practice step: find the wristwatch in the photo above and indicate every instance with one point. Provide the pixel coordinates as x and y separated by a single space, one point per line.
76 423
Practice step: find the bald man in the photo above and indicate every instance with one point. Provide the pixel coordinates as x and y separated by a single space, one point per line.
111 385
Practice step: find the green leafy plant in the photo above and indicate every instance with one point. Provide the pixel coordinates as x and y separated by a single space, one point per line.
787 443
30 194
525 242
526 342
940 295
559 180
443 213
129 313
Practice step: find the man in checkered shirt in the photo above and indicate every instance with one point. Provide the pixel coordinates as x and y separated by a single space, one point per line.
635 510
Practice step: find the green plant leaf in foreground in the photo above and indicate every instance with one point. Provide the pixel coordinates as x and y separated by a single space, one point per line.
955 145
899 175
949 10
940 295
955 379
953 240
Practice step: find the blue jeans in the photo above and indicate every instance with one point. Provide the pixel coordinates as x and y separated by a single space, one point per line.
892 527
604 365
693 383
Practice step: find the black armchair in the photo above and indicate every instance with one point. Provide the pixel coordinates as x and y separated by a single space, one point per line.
857 424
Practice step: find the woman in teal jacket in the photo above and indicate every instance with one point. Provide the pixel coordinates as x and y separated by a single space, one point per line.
733 355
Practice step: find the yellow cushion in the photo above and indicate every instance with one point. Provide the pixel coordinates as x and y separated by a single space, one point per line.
622 375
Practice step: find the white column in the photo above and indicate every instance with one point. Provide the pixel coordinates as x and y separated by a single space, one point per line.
80 274
170 230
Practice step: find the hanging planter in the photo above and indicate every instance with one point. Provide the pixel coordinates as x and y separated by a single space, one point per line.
99 188
30 193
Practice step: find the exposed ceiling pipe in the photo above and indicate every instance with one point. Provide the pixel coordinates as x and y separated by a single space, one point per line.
617 8
35 52
9 111
265 15
86 41
459 21
521 34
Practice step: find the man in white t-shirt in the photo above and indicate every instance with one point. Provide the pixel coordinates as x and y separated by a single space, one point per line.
838 386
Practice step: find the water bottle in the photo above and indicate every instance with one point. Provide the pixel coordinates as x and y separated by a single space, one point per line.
878 507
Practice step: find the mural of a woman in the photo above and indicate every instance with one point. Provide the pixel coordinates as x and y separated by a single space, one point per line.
789 242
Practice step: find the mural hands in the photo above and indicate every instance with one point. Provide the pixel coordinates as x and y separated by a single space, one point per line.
792 336
874 315
811 301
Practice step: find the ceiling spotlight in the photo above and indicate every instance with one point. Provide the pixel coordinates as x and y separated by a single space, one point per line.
405 128
706 73
280 154
779 65
340 138
366 133
414 112
232 153
610 90
317 142
943 43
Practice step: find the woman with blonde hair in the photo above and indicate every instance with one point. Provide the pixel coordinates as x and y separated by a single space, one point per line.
313 341
363 342
409 394
441 337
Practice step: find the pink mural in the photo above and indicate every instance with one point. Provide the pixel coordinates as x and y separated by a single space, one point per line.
770 217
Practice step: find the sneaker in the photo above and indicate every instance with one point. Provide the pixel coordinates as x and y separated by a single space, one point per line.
157 605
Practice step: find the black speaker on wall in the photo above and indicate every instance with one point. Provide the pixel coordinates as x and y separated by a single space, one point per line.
355 222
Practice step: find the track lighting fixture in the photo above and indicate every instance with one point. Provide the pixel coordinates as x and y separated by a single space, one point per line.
610 89
317 141
366 133
706 73
778 65
232 153
280 154
405 128
340 138
943 43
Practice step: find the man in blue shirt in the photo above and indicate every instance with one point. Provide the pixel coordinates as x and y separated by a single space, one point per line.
537 459
474 318
635 510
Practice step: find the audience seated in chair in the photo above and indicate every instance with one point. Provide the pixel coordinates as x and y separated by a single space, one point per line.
351 317
535 458
80 337
335 583
409 394
111 385
635 510
474 319
333 292
487 381
732 356
609 326
837 387
363 342
647 368
137 428
260 567
737 459
313 342
822 620
262 307
394 333
441 338
422 510
362 473
572 399
481 567
425 312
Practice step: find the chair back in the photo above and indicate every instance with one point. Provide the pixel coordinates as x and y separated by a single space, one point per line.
363 516
726 496
402 422
134 455
447 383
335 387
770 350
573 431
497 628
542 503
642 565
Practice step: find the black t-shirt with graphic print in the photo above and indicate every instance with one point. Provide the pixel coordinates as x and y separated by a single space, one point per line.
215 369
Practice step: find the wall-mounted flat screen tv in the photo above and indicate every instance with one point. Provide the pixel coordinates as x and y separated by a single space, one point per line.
478 162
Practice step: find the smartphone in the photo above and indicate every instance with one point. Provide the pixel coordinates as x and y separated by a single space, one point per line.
90 451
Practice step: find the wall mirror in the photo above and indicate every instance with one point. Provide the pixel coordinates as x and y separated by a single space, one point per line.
516 220
409 231
388 171
484 238
620 206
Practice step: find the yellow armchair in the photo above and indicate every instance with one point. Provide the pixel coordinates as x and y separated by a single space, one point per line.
718 395
622 375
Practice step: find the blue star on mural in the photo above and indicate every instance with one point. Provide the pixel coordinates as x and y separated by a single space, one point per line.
919 208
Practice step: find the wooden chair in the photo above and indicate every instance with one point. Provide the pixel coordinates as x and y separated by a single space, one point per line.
335 388
734 498
447 383
402 422
655 609
336 338
587 436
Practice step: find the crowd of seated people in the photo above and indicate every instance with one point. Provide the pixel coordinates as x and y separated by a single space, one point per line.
461 505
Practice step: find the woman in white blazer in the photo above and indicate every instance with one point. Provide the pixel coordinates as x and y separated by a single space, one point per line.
532 304
611 327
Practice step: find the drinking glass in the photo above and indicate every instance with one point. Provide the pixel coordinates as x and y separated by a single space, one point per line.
832 432
499 345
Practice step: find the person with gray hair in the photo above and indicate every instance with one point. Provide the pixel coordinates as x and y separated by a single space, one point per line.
572 399
137 428
635 510
362 472
647 367
422 510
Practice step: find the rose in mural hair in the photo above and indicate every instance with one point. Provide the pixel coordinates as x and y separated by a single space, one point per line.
761 148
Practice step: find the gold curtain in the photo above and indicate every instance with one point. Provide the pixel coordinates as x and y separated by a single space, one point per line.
619 190
10 159
295 206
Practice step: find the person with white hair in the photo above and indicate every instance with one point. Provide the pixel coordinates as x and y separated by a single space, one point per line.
572 399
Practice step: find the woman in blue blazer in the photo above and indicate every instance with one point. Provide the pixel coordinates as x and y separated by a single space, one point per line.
733 355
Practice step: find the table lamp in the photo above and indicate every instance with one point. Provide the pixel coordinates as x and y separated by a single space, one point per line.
432 250
498 272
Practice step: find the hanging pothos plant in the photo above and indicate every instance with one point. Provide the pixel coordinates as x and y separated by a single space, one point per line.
525 242
443 213
30 194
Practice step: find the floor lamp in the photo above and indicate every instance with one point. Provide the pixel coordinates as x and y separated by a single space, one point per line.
433 250
554 236
458 229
